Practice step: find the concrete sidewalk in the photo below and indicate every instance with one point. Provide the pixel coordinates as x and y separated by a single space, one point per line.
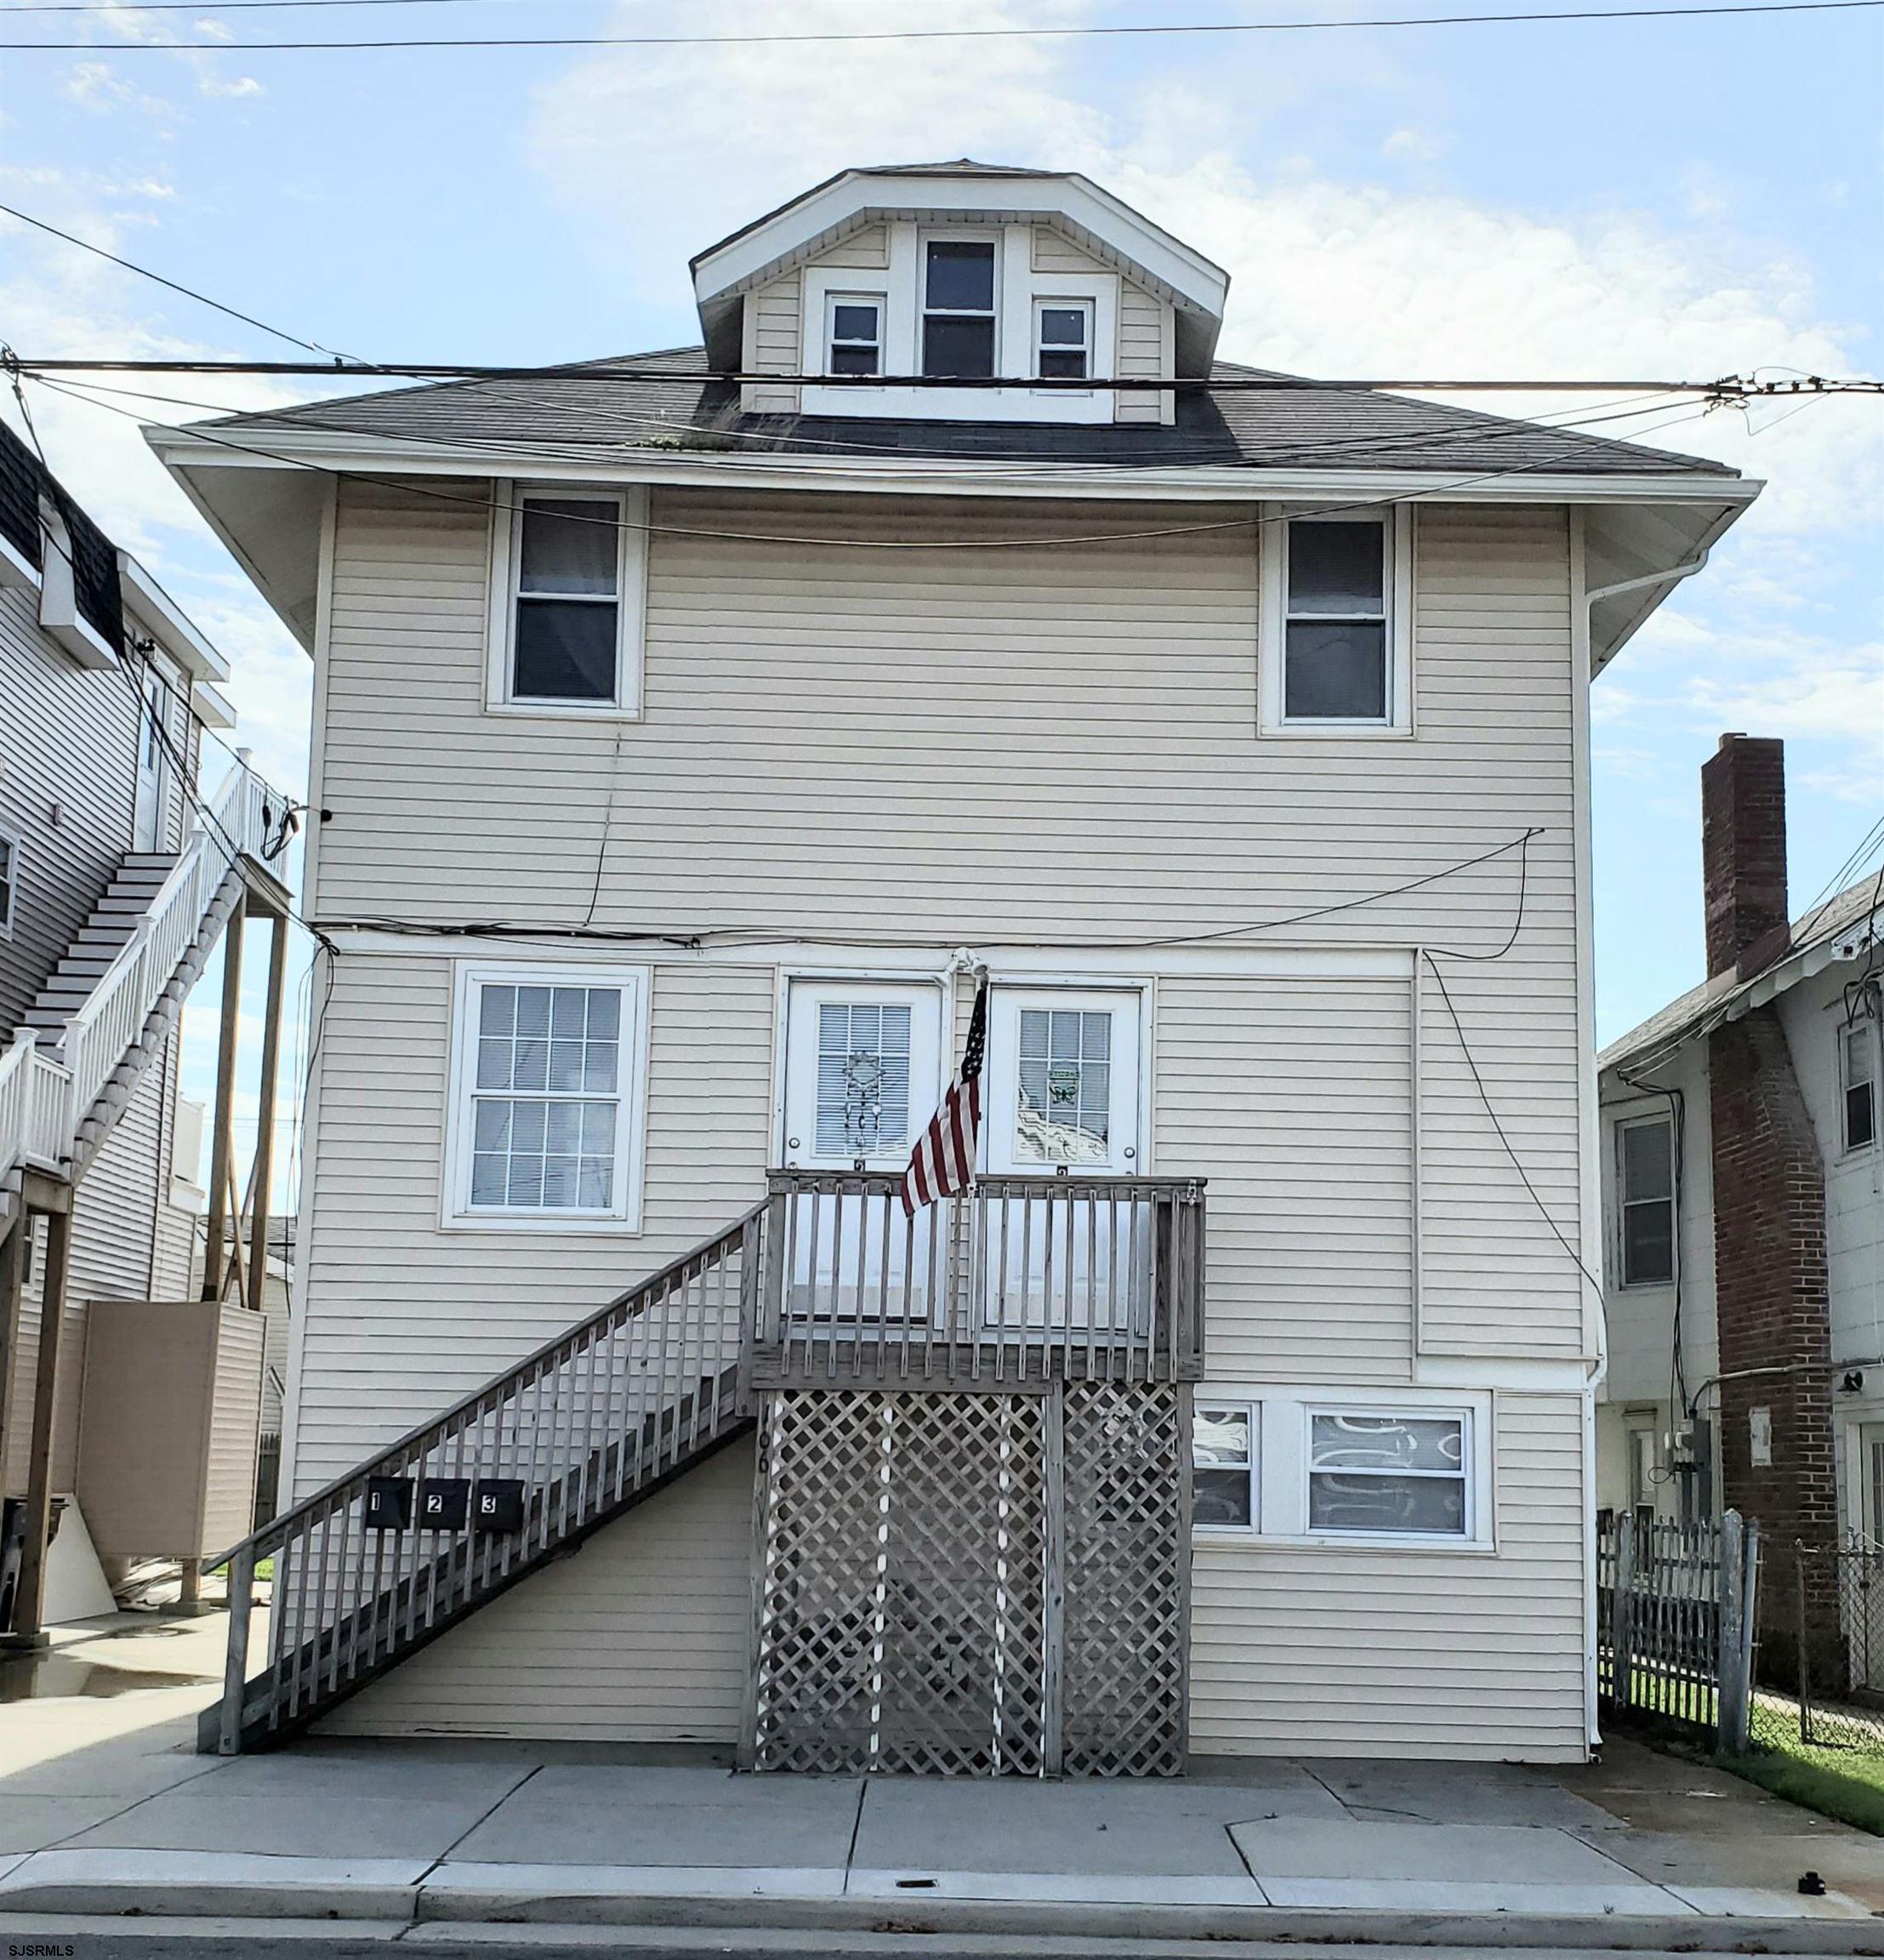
104 1810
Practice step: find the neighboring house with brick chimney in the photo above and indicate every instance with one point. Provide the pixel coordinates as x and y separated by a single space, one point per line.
1744 1203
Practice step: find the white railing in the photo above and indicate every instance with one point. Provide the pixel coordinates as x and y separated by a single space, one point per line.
44 1098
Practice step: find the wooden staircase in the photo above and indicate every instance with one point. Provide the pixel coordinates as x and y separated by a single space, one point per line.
569 1439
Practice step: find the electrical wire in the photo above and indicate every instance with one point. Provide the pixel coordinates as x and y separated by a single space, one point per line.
188 291
1255 521
928 34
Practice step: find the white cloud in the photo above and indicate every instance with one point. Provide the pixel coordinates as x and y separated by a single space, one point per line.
1410 145
211 84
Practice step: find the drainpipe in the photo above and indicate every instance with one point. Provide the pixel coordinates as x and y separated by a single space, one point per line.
1673 576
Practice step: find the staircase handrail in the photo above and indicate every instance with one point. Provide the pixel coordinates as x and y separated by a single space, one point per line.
109 1020
512 1380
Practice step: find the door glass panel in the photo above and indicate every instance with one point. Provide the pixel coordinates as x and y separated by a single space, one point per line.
1063 1110
863 1078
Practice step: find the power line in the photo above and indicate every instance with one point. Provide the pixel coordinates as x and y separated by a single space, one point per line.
188 291
928 34
1725 386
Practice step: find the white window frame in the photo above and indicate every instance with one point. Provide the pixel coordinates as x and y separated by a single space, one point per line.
835 297
1251 1411
1398 525
624 1213
1408 1412
1869 1032
1081 303
1646 1119
9 907
630 507
996 311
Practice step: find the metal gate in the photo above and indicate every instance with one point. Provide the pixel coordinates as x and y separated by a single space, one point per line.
987 1584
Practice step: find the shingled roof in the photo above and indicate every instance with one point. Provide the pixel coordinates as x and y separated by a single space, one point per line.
593 413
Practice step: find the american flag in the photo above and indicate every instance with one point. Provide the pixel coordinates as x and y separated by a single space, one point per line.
943 1160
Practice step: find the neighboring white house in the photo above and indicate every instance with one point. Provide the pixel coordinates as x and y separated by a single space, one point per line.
112 896
1744 1187
689 730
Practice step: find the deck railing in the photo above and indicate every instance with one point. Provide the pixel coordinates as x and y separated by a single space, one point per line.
384 1557
1018 1280
46 1094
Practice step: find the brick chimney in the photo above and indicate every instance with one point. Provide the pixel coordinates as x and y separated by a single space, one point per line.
1744 854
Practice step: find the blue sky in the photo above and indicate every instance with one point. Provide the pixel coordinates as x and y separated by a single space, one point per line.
1607 199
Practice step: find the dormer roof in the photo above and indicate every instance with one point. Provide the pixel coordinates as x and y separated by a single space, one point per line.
964 190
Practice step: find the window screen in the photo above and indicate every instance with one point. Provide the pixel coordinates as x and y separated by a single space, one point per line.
1063 343
1645 1167
1335 650
957 319
1370 1472
1063 1110
546 1098
863 1078
568 599
1223 1461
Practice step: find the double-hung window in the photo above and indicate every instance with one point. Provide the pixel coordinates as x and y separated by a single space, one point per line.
1223 1466
1371 1473
958 308
9 881
1645 1193
1858 1044
568 607
854 336
1062 339
546 1117
1337 642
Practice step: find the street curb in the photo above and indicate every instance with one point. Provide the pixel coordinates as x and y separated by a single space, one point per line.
1693 1933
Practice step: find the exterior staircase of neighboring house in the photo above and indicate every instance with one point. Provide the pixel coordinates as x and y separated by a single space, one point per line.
104 1014
973 1459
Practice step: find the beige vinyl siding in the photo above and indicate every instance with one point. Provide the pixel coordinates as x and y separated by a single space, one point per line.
1053 251
235 1421
1146 347
773 345
869 249
1415 1653
643 1636
402 1318
1292 1097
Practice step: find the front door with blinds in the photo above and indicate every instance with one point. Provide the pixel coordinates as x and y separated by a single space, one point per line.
862 1076
1062 1103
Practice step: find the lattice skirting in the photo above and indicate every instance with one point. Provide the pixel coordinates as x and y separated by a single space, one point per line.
975 1584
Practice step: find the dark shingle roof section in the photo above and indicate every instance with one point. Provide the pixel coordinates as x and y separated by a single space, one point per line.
594 413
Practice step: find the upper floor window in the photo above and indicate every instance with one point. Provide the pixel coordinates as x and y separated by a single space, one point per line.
545 1122
566 602
1645 1191
854 339
957 308
1062 339
1338 630
9 881
1858 1044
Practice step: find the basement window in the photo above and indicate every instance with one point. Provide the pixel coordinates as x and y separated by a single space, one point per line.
1223 1467
1645 1180
567 611
1374 1473
546 1115
1857 1044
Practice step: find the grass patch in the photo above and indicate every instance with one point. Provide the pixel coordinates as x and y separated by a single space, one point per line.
1836 1783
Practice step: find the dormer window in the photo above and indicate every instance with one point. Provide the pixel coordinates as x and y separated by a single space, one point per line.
1062 339
957 308
854 337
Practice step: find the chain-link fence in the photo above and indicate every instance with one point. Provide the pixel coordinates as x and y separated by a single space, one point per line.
1819 1671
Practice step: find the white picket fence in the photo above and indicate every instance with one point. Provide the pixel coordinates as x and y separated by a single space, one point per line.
46 1097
